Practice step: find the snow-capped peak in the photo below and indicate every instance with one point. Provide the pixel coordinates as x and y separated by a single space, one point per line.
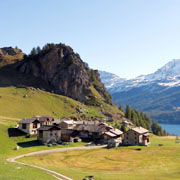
168 75
110 79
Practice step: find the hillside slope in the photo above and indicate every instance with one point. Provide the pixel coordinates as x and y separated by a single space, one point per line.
53 82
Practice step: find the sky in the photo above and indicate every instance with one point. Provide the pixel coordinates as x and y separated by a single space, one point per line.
125 37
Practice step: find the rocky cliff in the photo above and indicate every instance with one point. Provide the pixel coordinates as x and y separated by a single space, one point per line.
9 55
65 72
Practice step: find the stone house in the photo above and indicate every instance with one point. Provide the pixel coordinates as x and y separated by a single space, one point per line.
49 133
67 124
113 134
66 135
89 132
30 125
44 120
136 136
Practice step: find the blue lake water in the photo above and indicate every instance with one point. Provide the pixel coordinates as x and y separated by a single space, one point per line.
171 128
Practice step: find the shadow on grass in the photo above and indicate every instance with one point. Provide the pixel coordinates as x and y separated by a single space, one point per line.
29 144
14 132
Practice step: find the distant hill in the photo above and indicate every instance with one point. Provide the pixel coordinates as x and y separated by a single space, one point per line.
157 94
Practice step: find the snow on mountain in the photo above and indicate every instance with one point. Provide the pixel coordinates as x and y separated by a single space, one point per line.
110 79
167 76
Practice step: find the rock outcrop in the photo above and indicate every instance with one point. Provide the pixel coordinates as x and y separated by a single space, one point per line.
65 72
9 55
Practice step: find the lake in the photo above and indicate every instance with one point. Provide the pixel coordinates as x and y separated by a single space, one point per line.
171 128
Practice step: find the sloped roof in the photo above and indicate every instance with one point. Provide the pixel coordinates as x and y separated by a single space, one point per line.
87 122
140 130
48 128
116 131
27 120
69 121
110 134
44 118
38 118
90 128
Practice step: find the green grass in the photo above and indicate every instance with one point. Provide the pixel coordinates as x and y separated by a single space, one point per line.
27 102
9 171
17 103
125 163
12 171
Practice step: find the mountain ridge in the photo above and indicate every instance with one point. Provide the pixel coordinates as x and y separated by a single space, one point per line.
157 94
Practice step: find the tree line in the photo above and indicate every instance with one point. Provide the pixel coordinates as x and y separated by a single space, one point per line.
141 119
38 50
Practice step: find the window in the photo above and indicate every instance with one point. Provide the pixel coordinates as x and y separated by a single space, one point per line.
34 125
23 126
40 134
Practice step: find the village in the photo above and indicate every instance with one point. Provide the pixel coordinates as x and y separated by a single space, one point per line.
49 131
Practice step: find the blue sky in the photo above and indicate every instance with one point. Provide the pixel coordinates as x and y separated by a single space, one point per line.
125 37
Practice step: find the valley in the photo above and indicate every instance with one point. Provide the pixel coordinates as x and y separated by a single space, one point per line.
157 94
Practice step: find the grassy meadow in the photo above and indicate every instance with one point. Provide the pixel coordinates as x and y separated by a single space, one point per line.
159 161
12 171
27 102
156 162
17 103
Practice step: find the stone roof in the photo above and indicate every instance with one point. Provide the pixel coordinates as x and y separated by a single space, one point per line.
90 128
44 118
110 134
140 130
38 118
116 131
87 122
69 121
27 120
48 128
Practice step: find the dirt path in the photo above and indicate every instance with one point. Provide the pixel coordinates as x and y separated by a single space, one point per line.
48 171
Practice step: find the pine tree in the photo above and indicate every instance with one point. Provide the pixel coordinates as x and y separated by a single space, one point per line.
128 112
38 50
33 52
121 108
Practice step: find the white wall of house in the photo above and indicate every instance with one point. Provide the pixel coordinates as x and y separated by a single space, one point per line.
29 128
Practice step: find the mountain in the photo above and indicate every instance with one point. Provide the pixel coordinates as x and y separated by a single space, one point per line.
54 81
64 71
157 94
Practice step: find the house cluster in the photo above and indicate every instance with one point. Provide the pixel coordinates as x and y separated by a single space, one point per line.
68 130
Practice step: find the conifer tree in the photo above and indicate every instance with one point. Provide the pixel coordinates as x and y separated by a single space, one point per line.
38 50
121 108
33 52
128 112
